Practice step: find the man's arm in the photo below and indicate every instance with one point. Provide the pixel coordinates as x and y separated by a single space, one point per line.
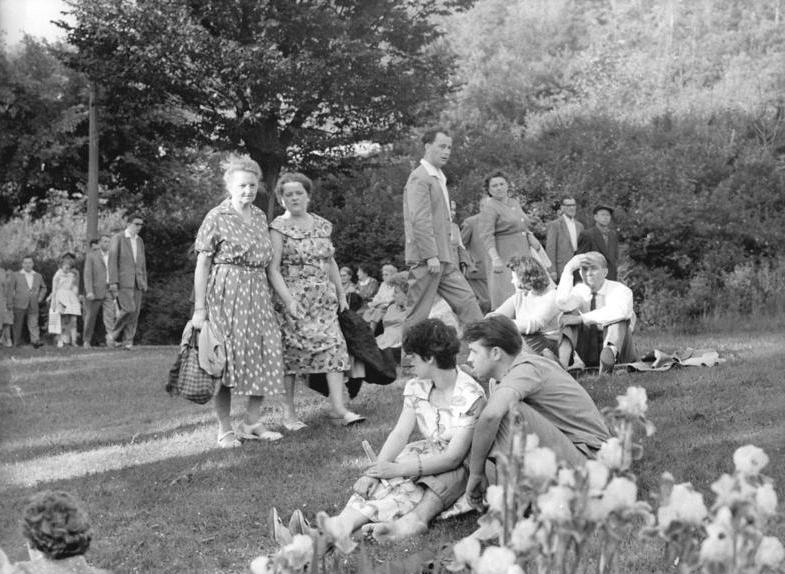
488 426
114 254
617 307
87 272
551 240
566 300
418 202
143 261
42 288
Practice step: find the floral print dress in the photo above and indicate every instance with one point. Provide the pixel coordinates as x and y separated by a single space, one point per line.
238 298
438 425
313 343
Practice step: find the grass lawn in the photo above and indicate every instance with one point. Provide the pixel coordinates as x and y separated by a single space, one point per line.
163 498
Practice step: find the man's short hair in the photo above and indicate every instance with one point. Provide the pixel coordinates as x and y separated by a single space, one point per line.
28 257
602 207
432 338
430 134
495 331
567 198
595 259
133 216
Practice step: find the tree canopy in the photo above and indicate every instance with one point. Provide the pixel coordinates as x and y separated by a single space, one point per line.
288 81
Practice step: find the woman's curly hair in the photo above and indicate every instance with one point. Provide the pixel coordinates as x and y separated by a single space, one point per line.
528 269
432 338
55 524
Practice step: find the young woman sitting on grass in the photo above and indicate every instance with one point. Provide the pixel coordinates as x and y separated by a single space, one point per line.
410 483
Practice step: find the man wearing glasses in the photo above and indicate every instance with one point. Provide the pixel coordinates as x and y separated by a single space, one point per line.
127 281
562 239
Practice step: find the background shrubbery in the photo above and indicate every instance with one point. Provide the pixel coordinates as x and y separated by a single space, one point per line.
671 112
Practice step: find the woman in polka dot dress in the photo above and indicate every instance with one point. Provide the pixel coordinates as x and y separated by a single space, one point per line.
232 292
303 261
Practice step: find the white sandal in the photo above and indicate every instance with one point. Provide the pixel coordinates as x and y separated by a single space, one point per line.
257 432
346 420
228 440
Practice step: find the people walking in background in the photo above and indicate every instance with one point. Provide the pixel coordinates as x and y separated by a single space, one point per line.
598 317
504 230
476 270
426 214
232 292
127 281
64 300
303 263
602 238
533 307
6 309
26 293
58 535
561 240
96 286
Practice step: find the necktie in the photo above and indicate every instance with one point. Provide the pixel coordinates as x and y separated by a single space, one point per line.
593 303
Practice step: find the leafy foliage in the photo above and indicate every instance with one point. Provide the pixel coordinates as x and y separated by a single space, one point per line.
283 80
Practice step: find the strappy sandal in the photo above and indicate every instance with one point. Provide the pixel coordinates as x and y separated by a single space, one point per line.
346 420
294 425
257 432
228 440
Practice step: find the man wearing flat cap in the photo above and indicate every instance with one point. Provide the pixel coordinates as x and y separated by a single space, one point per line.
598 317
602 238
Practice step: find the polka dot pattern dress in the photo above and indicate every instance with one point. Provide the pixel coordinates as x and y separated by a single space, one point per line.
238 298
313 344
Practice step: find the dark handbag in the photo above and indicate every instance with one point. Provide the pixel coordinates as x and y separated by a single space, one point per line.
186 378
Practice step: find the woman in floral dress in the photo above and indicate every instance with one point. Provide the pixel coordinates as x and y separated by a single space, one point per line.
232 292
411 483
303 262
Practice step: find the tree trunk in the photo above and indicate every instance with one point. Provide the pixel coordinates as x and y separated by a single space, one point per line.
92 169
265 147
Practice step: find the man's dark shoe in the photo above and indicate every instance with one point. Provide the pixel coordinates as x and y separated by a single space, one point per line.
607 359
37 344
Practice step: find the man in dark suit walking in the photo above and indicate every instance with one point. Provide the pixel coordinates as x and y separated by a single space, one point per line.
96 287
427 226
562 237
603 239
127 281
26 292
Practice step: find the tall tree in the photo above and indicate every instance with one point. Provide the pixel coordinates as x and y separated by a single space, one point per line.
287 80
43 108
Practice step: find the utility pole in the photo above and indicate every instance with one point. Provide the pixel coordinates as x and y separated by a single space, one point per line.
92 169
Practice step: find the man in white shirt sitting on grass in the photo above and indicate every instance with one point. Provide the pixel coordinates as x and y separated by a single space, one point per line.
598 317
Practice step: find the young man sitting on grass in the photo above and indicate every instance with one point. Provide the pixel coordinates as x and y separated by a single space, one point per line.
554 406
598 317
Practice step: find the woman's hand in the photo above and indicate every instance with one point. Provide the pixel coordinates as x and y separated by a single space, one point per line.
365 485
533 241
343 304
383 469
199 317
498 265
294 310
